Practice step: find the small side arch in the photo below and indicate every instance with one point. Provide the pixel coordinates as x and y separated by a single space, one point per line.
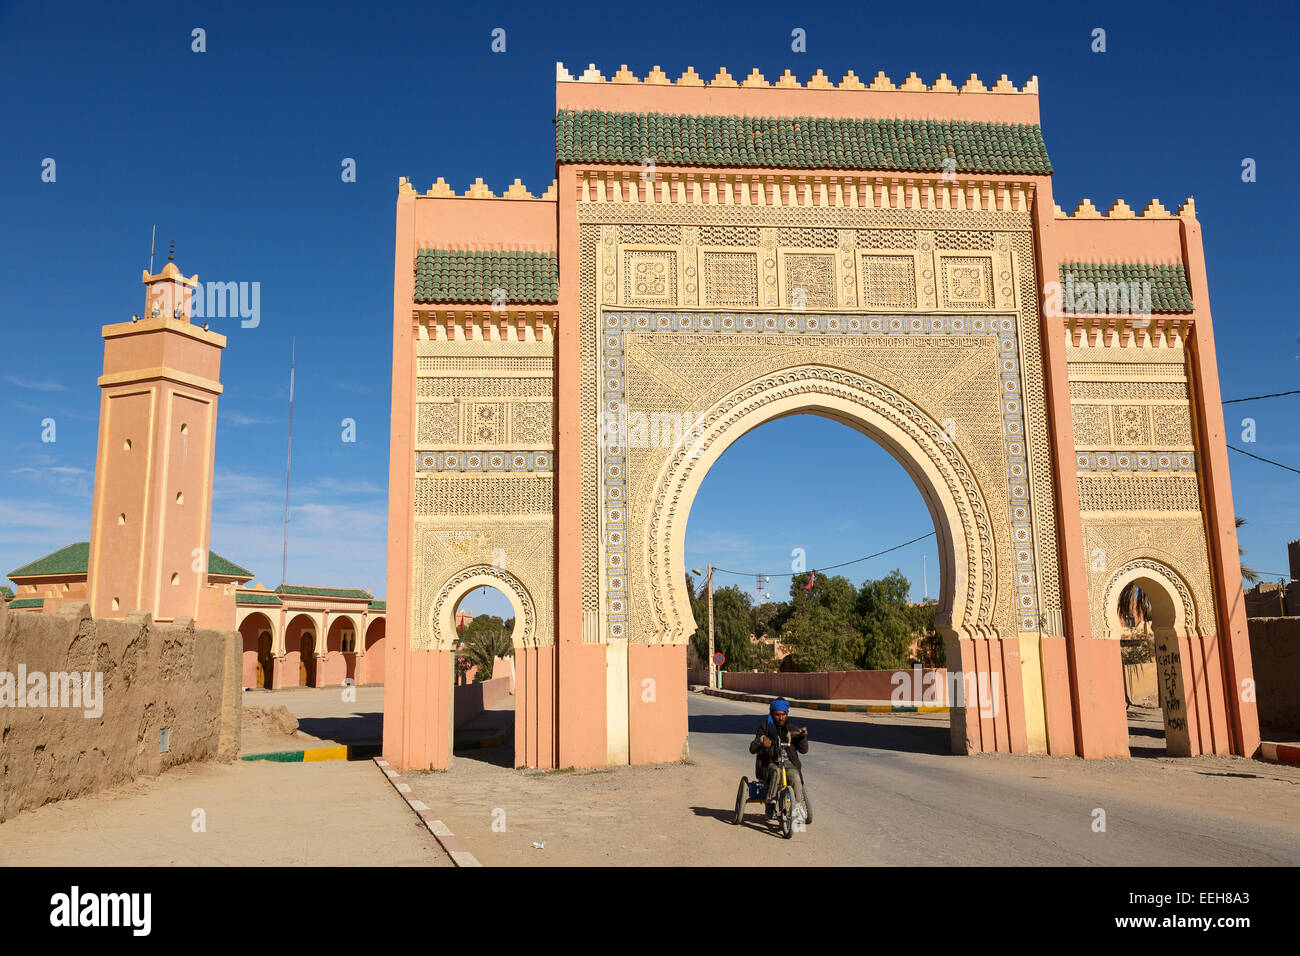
1172 603
442 616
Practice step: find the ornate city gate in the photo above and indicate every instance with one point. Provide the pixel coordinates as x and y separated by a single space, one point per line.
567 368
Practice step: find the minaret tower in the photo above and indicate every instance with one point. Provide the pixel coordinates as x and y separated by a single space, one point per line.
149 532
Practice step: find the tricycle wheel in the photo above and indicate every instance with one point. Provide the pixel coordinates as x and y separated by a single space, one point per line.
786 808
807 804
741 796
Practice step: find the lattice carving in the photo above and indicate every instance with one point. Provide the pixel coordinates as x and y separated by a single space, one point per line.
728 235
653 234
448 387
1139 493
888 282
484 423
650 278
810 280
1129 391
731 279
967 282
886 238
484 364
484 495
966 239
438 423
1131 426
1091 426
531 423
807 238
1171 426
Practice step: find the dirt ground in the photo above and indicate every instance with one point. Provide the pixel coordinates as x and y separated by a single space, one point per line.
255 814
663 815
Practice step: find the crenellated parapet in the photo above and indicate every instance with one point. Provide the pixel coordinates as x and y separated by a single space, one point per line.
478 190
787 80
1119 209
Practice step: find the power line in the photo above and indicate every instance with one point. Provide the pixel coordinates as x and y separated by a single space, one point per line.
1268 460
1230 401
831 567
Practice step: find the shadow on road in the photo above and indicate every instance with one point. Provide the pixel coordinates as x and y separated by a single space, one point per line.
931 737
753 820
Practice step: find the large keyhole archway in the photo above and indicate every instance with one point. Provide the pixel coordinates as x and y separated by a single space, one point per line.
934 458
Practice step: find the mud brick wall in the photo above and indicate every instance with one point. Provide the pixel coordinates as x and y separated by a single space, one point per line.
155 676
1275 653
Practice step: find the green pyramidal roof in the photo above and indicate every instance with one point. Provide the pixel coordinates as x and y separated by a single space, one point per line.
6 592
800 142
1166 284
457 275
75 559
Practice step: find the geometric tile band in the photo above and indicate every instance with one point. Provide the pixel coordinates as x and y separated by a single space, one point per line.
440 461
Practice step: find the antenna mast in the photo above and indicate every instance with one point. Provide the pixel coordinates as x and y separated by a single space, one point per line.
152 237
284 560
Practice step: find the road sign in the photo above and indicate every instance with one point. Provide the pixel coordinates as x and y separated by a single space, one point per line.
719 659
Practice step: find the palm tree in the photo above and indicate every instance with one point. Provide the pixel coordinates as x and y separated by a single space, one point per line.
485 639
1247 572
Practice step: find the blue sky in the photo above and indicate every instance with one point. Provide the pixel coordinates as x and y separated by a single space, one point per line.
235 153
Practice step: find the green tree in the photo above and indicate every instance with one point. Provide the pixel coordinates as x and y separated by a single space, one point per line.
820 628
886 622
733 623
484 640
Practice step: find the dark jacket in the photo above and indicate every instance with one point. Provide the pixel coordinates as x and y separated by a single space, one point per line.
768 756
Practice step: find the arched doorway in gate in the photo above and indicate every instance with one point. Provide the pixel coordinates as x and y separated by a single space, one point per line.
1150 604
978 612
468 702
483 719
787 499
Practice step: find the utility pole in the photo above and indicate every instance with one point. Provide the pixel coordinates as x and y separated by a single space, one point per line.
713 667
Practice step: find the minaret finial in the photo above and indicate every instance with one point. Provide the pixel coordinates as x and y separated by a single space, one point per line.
171 251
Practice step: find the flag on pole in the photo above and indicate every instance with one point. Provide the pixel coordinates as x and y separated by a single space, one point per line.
812 576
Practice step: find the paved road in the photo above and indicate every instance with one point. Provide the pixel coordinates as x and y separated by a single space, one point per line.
891 794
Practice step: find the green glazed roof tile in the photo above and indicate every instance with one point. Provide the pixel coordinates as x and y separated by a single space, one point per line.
378 605
800 142
322 592
1166 284
243 597
6 592
219 565
27 602
456 275
74 559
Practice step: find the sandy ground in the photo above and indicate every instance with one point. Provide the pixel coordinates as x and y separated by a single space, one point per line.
256 814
